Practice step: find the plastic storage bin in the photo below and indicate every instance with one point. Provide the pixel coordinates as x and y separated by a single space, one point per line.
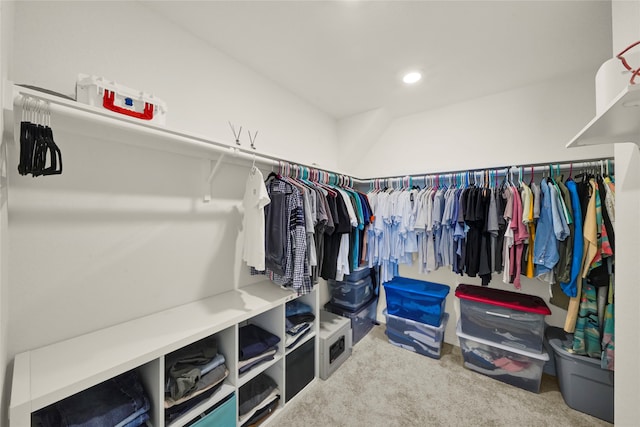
416 300
584 385
359 274
362 321
223 414
509 318
351 295
335 342
300 368
99 92
415 336
513 366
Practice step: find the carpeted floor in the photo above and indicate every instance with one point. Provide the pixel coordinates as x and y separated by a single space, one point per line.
383 385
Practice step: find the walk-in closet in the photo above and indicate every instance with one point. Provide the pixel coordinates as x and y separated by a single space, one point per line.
349 213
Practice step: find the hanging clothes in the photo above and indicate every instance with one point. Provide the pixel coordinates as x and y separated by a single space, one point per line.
255 199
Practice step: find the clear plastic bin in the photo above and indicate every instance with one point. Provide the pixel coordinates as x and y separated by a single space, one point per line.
513 366
415 336
351 295
416 300
509 318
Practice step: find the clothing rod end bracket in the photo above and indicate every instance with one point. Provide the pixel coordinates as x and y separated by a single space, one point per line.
214 170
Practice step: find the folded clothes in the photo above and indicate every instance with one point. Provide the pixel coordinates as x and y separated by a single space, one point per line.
291 340
262 411
137 421
481 358
511 365
299 318
270 352
208 381
250 366
111 403
530 373
254 392
254 341
184 366
296 329
176 411
297 307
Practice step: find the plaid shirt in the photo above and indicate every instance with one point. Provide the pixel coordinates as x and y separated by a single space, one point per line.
297 272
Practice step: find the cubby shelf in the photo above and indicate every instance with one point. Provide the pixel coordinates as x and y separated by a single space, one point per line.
48 374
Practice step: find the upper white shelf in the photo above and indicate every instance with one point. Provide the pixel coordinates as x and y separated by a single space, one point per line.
83 119
620 122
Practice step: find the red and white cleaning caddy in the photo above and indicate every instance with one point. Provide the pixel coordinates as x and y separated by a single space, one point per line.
100 92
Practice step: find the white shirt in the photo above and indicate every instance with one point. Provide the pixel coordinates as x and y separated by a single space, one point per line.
255 199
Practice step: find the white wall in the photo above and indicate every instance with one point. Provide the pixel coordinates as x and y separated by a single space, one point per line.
6 38
204 89
627 316
528 125
626 30
123 232
625 15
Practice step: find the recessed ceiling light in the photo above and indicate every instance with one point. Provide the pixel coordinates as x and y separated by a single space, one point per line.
412 77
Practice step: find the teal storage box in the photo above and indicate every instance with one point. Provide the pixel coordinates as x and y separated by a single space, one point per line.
223 414
416 300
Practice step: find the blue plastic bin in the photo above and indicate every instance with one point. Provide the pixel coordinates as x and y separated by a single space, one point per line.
416 300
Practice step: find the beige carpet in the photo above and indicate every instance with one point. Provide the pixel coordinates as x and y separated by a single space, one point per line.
383 385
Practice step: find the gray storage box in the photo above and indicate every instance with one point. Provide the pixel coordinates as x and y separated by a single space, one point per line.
335 342
584 385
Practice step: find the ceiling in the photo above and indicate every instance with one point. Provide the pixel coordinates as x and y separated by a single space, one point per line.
348 56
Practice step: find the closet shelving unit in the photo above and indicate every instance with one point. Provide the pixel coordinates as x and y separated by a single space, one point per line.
619 122
46 375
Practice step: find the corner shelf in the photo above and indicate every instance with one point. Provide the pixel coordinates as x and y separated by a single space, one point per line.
619 122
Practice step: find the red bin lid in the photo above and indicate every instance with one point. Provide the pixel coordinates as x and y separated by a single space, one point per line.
507 299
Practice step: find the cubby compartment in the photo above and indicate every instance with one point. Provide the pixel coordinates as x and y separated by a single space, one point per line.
301 324
300 368
198 376
124 399
261 396
260 343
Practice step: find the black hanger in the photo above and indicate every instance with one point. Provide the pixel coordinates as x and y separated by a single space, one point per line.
38 148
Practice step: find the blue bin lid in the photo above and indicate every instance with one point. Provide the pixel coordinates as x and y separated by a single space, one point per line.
418 286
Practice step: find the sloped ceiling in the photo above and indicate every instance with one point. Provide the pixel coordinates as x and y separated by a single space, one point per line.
348 57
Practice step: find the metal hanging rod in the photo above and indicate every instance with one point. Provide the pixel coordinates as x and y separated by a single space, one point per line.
188 144
602 163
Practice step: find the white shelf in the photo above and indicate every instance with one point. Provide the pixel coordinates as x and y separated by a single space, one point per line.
48 374
306 338
252 373
619 122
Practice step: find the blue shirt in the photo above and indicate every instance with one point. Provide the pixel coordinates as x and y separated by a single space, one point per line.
571 288
545 246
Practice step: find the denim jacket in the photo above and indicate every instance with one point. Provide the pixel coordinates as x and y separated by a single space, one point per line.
545 248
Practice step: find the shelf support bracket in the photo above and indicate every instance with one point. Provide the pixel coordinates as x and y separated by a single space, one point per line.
214 170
